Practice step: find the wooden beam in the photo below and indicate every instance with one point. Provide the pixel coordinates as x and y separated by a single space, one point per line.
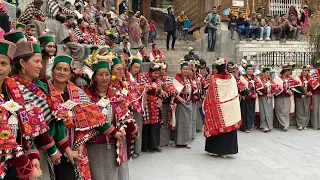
146 9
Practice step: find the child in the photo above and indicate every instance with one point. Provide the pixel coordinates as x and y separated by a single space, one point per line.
186 26
21 27
152 33
30 34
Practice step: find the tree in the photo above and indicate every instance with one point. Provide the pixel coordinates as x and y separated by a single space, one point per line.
314 34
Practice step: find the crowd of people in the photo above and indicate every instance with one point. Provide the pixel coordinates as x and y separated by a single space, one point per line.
288 26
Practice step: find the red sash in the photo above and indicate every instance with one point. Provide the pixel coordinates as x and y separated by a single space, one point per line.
134 34
31 120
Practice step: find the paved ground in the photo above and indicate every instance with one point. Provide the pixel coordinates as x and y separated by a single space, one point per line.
277 155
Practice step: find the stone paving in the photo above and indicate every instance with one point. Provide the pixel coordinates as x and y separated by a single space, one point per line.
277 155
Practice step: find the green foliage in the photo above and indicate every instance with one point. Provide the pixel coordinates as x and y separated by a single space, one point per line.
314 33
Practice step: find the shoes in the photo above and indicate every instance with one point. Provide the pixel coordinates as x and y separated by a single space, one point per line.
300 128
168 49
305 128
159 149
285 129
213 154
250 39
134 155
265 130
247 131
224 156
188 146
259 39
174 145
172 49
268 39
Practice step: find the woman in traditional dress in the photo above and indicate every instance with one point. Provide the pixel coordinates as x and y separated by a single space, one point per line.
266 100
220 126
167 104
134 31
70 99
143 54
136 79
33 94
284 100
49 50
242 89
102 148
303 101
12 150
120 99
184 109
156 53
315 85
248 101
152 119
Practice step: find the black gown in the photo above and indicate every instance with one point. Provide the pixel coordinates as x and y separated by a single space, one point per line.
222 144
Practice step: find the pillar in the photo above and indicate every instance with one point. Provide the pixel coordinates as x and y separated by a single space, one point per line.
146 9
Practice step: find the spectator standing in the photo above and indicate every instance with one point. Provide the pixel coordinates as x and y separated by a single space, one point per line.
213 20
153 32
264 28
254 28
276 26
145 28
232 26
179 24
123 7
4 19
186 27
191 56
304 19
134 31
170 27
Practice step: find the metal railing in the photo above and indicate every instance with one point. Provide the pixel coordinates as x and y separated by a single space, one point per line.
278 58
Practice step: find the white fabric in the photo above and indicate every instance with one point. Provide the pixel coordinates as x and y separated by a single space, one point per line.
228 91
279 82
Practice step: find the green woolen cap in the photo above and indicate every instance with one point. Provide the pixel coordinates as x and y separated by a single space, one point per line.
98 19
67 3
248 66
116 60
153 45
213 66
170 7
31 26
100 65
46 39
14 36
138 61
23 26
27 47
70 17
266 69
183 64
282 15
7 48
214 7
276 15
79 21
63 58
78 6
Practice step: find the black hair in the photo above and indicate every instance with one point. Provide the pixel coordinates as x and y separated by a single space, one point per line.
221 69
230 62
16 62
45 53
284 71
203 62
151 70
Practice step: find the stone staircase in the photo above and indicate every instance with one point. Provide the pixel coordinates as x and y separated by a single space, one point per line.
251 48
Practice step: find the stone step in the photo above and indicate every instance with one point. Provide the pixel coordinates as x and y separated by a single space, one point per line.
256 46
273 42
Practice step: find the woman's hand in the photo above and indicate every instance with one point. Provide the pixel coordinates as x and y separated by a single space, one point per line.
36 164
120 136
35 174
174 107
73 155
55 158
163 94
80 150
180 99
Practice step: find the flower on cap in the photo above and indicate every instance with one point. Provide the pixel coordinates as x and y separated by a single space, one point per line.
163 65
93 58
220 61
308 66
113 78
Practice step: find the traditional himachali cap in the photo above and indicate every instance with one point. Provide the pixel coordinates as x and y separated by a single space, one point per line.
266 69
79 21
44 39
22 26
233 69
78 5
213 65
100 65
248 66
214 7
282 14
14 36
67 3
110 33
98 19
306 66
276 15
219 61
69 17
7 48
170 7
31 26
63 58
153 45
116 60
286 67
183 63
136 60
27 47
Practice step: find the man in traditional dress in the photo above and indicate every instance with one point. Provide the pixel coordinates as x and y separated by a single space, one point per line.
220 126
315 82
134 31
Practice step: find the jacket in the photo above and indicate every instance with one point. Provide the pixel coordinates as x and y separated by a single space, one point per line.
169 23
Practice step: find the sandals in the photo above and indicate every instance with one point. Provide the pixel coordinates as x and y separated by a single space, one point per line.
188 146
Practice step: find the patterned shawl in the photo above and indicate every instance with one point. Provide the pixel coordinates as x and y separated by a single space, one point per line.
221 99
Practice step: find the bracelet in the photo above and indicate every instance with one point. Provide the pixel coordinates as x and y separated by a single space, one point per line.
54 153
